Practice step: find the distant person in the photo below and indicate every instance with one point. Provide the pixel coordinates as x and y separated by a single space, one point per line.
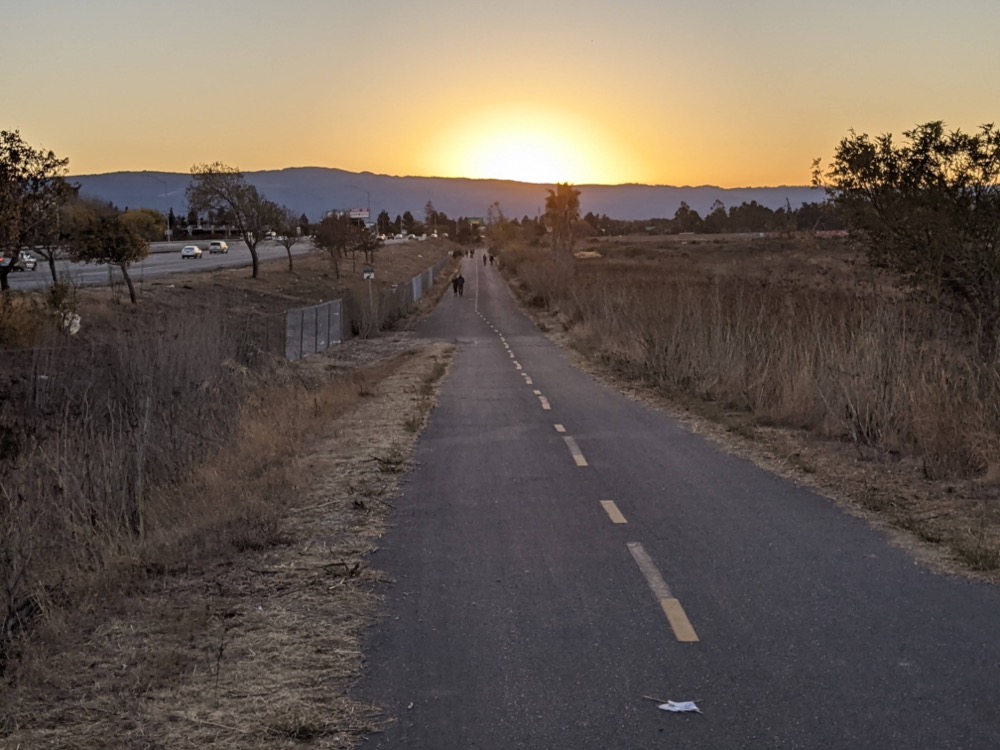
454 283
491 259
484 259
461 284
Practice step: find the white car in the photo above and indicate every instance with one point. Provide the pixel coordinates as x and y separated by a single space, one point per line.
26 261
217 246
191 251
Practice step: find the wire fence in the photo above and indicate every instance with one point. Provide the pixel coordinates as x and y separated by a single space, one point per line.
302 331
309 330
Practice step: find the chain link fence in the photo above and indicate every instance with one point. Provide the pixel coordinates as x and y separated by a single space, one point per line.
310 330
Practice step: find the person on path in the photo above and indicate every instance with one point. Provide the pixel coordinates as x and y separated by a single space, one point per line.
454 283
461 284
484 259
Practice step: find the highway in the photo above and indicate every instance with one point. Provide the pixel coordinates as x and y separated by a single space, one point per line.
165 258
563 560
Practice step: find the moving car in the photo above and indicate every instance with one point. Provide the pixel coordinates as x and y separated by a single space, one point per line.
25 261
217 246
191 251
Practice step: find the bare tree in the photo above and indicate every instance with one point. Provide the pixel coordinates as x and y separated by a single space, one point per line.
289 232
334 236
367 243
217 187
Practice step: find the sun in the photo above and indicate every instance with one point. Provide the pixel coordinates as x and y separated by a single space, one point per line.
526 156
528 146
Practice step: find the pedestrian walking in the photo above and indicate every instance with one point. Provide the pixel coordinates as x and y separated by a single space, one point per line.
484 259
461 284
454 284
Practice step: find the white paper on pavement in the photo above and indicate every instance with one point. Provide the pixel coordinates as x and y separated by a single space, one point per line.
680 707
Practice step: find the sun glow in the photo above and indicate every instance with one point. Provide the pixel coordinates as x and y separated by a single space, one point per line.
529 147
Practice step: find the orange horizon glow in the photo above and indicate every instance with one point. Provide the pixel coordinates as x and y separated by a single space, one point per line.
723 94
534 145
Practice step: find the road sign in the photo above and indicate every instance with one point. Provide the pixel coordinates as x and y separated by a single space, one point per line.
368 274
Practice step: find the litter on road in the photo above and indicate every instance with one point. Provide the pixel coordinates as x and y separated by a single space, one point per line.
676 707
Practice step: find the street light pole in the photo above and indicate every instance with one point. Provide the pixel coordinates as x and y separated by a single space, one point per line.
164 194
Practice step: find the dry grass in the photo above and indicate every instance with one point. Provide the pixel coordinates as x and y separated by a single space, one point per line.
210 600
254 647
797 338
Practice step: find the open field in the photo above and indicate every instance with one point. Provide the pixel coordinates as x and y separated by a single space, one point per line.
795 352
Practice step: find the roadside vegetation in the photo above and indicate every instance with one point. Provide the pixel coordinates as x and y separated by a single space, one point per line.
884 341
144 456
803 335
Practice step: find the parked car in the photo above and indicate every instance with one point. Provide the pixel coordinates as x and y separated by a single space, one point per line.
191 251
217 246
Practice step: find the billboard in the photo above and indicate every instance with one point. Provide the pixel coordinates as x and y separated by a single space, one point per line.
358 213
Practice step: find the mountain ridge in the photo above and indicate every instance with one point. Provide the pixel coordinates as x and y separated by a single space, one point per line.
316 190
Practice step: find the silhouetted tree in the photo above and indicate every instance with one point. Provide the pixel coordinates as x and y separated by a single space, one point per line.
686 219
289 232
109 240
929 210
33 190
562 210
217 187
717 220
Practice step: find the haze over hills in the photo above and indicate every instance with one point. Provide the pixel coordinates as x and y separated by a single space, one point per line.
316 190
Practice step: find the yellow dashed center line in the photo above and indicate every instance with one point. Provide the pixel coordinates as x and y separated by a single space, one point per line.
679 623
546 406
559 428
575 451
529 381
612 510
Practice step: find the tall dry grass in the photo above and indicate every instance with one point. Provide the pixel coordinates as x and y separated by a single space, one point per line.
90 430
849 359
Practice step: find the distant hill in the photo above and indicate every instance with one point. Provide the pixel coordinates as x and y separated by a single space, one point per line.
316 190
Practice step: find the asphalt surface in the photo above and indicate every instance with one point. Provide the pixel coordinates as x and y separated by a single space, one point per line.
523 616
164 259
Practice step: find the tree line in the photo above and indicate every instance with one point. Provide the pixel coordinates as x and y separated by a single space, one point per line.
926 208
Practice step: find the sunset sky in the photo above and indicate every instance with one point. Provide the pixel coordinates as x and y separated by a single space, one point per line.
668 92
